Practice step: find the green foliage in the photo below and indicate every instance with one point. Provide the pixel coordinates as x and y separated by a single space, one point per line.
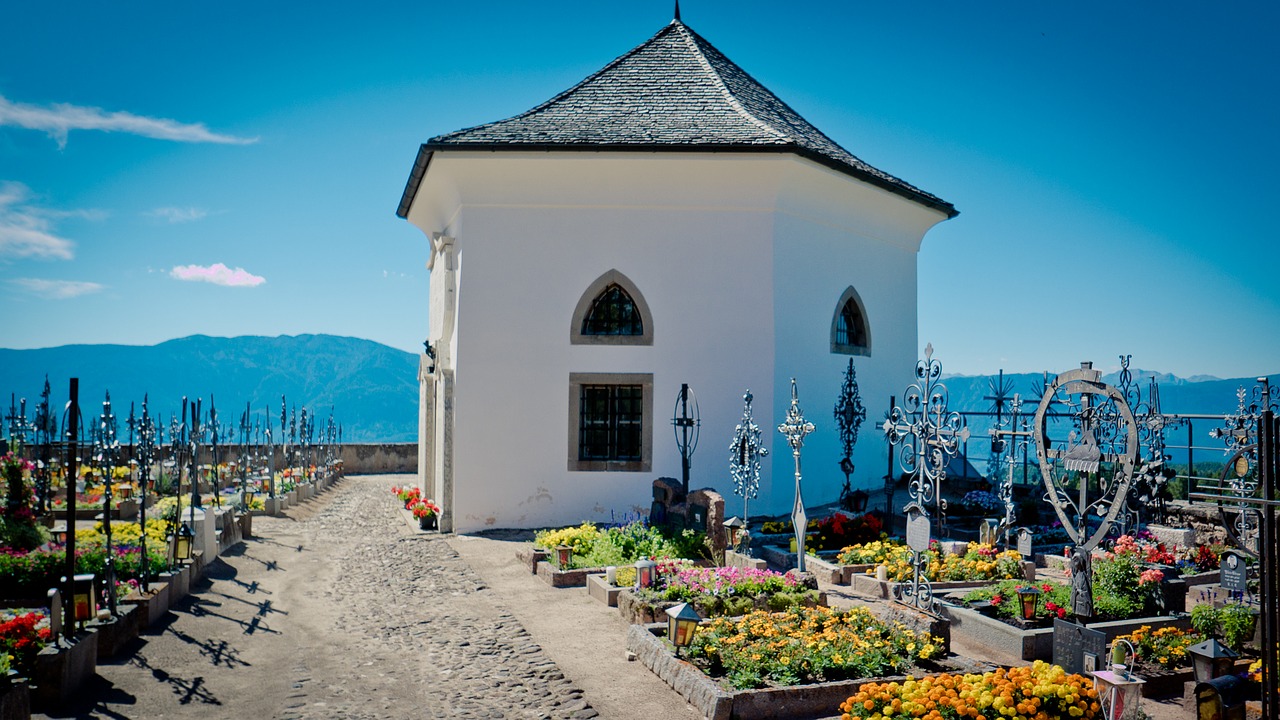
1233 622
593 547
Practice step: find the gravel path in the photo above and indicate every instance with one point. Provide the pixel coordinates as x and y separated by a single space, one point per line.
339 609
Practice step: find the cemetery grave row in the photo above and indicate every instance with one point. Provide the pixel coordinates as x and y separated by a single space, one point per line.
103 530
1096 601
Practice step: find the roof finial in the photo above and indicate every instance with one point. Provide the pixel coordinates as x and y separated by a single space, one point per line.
677 10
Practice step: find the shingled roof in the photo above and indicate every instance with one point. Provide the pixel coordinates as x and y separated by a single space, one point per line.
675 92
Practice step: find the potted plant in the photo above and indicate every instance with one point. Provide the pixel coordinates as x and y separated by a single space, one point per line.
427 513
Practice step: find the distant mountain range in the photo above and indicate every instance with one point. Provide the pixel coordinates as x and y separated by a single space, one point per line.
371 388
1200 395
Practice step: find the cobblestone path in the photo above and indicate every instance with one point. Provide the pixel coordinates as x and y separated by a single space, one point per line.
340 610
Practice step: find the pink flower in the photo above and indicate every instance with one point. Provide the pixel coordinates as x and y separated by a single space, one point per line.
1150 576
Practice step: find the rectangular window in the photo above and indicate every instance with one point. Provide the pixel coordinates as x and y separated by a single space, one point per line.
610 423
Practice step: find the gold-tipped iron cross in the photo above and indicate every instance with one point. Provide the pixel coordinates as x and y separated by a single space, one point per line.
795 428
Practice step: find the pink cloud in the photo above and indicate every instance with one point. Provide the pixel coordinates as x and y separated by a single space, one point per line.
218 274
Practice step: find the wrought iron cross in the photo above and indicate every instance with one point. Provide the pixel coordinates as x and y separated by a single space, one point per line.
929 435
795 428
849 413
744 456
686 429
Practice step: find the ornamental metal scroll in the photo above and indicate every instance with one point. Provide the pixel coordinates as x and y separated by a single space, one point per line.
849 414
745 452
929 436
1149 491
1100 448
1238 482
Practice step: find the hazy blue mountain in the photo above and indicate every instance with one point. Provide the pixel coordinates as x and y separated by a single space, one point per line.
371 388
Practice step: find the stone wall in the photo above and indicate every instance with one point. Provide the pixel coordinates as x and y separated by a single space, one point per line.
357 459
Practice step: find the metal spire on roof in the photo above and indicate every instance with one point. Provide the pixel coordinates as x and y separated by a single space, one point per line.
677 10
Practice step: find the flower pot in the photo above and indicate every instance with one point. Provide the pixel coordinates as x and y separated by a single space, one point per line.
427 522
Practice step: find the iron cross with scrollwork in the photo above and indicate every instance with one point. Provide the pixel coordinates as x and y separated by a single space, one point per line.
795 428
850 414
744 456
929 436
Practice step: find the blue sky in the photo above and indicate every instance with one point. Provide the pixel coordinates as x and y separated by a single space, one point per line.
234 168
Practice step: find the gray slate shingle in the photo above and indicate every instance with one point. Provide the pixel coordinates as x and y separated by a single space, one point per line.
675 92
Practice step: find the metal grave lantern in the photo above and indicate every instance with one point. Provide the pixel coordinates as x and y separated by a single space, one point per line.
1222 698
682 624
84 597
183 540
59 533
1029 599
733 528
1211 659
795 428
645 572
1087 473
563 553
1119 691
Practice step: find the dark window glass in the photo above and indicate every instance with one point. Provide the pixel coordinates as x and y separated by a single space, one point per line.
610 422
613 312
851 328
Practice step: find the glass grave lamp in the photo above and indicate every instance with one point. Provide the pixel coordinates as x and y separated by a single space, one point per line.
682 623
859 498
83 597
59 533
183 540
645 572
563 553
733 527
1029 597
1211 659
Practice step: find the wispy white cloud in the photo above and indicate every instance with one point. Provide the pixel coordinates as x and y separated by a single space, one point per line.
59 119
179 215
218 274
57 289
26 230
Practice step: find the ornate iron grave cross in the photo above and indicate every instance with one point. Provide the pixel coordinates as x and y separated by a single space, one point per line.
1149 491
929 436
744 456
849 413
686 430
1095 461
1238 484
146 456
795 428
106 457
1011 434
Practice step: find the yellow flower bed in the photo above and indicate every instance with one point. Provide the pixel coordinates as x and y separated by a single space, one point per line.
979 562
579 538
806 645
124 533
1037 692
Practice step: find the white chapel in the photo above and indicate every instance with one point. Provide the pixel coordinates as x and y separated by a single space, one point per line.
667 220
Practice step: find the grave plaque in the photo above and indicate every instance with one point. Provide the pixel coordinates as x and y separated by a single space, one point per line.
1234 573
917 531
1077 648
1024 543
698 515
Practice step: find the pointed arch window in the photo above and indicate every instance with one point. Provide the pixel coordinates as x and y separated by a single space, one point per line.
850 331
611 312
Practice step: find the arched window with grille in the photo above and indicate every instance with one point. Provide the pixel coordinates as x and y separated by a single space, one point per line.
850 331
612 312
